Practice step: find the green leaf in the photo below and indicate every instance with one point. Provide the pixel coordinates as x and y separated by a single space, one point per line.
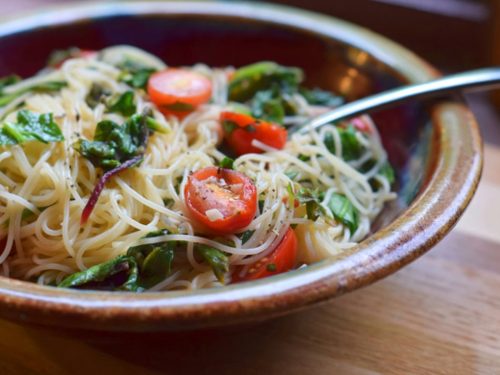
226 163
124 104
8 80
40 87
120 273
154 260
217 260
344 211
321 97
260 76
114 144
30 126
268 106
388 172
351 148
291 174
135 75
60 55
156 126
246 235
312 199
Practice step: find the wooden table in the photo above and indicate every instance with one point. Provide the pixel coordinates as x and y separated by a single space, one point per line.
439 315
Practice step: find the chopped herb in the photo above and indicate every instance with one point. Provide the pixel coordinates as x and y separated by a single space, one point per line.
246 235
217 260
168 202
120 273
229 126
312 199
155 125
291 196
303 157
226 163
268 105
261 205
124 104
344 211
321 97
30 126
271 267
57 57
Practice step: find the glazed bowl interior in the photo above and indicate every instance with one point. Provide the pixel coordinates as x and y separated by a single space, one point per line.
335 56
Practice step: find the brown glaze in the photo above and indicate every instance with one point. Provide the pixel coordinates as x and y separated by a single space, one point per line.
435 146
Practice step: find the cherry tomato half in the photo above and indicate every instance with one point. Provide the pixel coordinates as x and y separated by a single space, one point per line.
179 91
282 259
241 129
220 199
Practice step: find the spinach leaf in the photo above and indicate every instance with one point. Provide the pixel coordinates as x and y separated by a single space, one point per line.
154 260
217 260
114 144
96 95
135 75
48 86
246 235
321 97
250 79
268 106
120 273
30 126
344 211
124 104
388 172
351 148
226 163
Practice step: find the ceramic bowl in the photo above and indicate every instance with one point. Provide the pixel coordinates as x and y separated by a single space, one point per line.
435 147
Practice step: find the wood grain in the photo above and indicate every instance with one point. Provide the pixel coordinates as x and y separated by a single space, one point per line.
439 315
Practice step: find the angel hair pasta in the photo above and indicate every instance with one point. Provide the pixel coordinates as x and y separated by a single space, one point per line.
120 173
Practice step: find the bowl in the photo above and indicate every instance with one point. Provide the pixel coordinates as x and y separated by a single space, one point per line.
435 147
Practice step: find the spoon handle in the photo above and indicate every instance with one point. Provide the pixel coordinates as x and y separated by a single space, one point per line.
474 80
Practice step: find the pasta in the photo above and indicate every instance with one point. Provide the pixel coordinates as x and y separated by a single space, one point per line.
307 185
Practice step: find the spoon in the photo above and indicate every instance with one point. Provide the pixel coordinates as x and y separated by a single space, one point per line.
473 80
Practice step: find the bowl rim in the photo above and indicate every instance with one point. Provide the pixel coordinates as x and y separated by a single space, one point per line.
428 218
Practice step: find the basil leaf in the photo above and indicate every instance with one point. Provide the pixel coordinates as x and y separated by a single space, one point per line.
321 97
120 273
30 126
217 260
154 260
351 148
344 211
260 76
312 199
124 104
226 163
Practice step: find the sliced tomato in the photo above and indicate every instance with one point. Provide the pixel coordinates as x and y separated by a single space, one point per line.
179 91
222 200
241 129
282 259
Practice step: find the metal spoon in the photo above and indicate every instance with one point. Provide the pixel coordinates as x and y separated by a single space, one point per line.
474 80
